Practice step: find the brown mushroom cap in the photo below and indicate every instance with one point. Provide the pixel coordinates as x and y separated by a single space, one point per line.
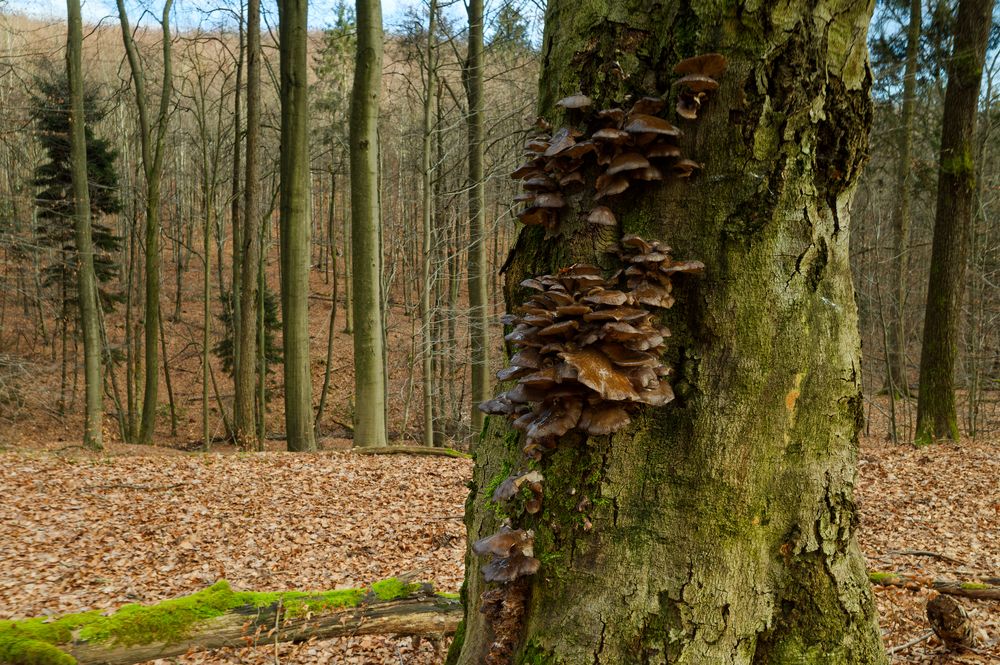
688 104
698 83
535 216
649 105
683 168
660 150
627 161
641 123
611 135
603 419
511 568
612 115
596 371
529 169
602 216
709 64
560 142
577 101
613 185
505 542
536 145
549 200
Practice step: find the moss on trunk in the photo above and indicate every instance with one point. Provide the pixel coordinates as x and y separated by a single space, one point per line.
723 523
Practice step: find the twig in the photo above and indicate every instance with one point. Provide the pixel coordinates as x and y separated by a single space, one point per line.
127 486
914 641
942 557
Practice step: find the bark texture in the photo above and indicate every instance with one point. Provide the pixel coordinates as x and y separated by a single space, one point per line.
295 223
723 523
479 299
936 417
897 376
366 218
93 435
245 366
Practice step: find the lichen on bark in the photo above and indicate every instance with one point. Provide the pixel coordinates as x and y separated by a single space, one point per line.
723 523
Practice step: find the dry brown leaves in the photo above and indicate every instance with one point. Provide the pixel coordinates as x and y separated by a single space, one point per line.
82 532
942 500
88 532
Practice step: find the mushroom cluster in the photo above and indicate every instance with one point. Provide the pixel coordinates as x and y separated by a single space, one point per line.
513 554
509 488
626 147
650 267
698 78
587 354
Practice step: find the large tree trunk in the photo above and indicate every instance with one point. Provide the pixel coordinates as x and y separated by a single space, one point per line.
245 376
295 224
720 527
478 280
956 194
93 436
896 351
366 218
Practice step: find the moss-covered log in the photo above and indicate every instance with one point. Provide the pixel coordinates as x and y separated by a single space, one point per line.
220 617
719 528
973 590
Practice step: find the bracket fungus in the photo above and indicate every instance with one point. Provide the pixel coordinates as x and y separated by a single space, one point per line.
513 554
588 349
698 78
613 148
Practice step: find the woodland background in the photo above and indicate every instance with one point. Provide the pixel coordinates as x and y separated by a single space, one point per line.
41 355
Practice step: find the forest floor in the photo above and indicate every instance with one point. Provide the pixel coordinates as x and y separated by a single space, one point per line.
139 524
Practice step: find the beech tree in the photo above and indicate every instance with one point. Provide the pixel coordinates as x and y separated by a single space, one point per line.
956 194
366 218
93 436
295 223
152 137
720 527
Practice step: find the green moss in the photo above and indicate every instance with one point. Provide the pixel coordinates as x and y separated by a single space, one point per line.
35 641
534 654
455 650
393 588
881 579
974 586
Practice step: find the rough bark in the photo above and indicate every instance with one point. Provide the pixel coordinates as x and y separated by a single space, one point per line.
295 223
723 523
896 351
93 436
426 237
936 417
245 375
152 145
366 219
479 341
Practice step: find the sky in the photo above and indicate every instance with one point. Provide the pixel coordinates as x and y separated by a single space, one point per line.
187 13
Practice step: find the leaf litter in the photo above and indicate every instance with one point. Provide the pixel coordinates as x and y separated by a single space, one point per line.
82 531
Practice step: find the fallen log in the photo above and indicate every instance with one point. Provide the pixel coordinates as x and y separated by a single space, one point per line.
975 590
220 617
410 450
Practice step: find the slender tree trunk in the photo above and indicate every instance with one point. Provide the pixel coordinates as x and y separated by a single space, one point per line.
295 224
152 162
348 280
366 219
426 247
478 279
718 528
87 295
235 202
936 416
244 422
332 327
898 380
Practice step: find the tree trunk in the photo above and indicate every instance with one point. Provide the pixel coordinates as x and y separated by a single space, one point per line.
152 164
718 528
896 351
245 378
93 436
366 219
479 341
235 201
936 417
295 224
427 247
331 329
